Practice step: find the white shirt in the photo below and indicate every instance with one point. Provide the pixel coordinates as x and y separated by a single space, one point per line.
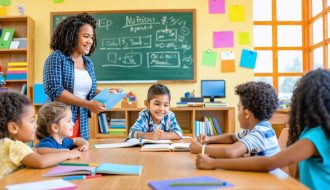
82 83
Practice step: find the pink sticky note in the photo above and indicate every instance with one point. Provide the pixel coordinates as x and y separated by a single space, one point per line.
224 39
216 6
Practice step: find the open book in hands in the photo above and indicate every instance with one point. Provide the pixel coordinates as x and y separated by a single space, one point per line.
130 142
178 147
104 168
109 99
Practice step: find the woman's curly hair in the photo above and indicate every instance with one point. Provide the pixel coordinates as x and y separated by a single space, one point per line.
50 113
258 97
310 105
12 107
65 37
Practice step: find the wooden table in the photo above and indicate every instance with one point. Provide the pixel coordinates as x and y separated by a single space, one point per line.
156 166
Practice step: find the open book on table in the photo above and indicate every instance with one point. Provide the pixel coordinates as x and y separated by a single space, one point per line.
177 147
130 142
104 168
109 99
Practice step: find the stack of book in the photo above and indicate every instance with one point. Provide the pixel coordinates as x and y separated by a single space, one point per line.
16 71
215 104
189 104
209 127
117 126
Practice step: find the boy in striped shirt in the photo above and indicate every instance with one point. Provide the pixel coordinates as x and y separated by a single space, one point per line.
257 103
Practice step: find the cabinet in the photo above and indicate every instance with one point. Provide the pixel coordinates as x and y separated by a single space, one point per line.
185 117
24 28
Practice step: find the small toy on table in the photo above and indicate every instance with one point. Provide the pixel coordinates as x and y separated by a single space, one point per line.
129 101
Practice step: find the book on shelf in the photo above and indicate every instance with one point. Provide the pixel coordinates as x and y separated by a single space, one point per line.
104 168
215 104
189 104
209 127
6 37
130 142
175 147
109 99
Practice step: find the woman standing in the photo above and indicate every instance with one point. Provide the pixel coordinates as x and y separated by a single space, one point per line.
68 73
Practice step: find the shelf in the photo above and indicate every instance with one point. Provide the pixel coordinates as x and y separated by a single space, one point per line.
13 50
9 81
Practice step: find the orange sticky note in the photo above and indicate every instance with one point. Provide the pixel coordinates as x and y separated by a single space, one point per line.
236 13
227 62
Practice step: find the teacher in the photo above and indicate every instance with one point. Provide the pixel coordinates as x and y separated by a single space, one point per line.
68 73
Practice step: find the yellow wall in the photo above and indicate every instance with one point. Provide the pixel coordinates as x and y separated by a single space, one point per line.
40 10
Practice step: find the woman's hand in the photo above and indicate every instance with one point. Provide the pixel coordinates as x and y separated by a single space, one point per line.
96 106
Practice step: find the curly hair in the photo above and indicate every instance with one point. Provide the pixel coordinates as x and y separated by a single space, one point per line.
258 97
158 89
50 113
12 106
65 37
310 105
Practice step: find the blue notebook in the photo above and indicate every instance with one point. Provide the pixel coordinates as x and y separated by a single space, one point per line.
39 95
166 184
109 99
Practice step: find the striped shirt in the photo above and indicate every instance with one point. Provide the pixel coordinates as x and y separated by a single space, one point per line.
58 75
168 124
261 140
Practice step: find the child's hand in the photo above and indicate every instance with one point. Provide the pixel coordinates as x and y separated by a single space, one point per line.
203 161
203 139
195 147
158 134
83 148
73 154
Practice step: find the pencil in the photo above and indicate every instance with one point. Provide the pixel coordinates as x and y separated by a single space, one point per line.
77 164
198 184
203 148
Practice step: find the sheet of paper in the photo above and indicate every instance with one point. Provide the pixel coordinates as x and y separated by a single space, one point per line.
227 62
47 184
209 58
223 39
248 59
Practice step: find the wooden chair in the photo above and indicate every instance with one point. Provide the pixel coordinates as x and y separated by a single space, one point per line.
282 141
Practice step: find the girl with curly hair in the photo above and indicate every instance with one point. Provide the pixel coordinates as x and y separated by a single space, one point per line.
309 136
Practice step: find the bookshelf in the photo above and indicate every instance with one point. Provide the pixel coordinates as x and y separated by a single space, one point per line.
184 115
24 28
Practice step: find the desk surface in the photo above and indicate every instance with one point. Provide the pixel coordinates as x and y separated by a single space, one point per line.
156 166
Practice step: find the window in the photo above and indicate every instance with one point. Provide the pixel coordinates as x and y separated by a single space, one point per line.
279 41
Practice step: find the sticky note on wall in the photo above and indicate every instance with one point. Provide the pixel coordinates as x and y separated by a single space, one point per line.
227 62
243 38
237 13
216 6
248 59
223 39
209 58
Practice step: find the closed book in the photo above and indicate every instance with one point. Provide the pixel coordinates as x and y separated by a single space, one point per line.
39 95
15 64
109 99
104 168
16 69
16 76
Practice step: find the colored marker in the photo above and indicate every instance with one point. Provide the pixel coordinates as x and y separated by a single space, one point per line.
81 177
77 164
199 184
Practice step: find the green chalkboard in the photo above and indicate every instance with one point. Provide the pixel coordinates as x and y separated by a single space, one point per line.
147 45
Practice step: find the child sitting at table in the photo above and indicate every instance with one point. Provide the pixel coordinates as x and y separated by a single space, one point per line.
55 126
17 126
257 103
157 121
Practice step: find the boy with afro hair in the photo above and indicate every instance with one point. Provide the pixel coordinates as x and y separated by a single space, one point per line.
257 103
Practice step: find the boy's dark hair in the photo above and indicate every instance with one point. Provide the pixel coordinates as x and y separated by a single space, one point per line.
310 105
258 97
158 89
65 37
12 107
50 113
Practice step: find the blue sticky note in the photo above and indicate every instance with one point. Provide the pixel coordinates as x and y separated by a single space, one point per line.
248 59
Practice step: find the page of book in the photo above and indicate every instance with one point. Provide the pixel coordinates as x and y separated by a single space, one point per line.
70 170
49 184
131 142
165 147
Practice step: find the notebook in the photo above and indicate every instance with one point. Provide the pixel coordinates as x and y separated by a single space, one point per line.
104 168
109 99
166 184
130 142
48 184
177 147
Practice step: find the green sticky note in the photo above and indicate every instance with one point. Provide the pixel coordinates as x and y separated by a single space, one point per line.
209 58
5 2
244 38
58 1
237 13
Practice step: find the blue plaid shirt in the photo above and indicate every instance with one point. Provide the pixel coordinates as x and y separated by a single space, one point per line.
168 123
58 75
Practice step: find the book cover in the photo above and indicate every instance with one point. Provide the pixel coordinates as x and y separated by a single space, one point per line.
47 184
109 99
39 95
167 184
175 147
104 168
130 142
6 37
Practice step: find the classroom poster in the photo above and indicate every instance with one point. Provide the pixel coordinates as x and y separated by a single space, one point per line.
223 39
227 62
248 59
